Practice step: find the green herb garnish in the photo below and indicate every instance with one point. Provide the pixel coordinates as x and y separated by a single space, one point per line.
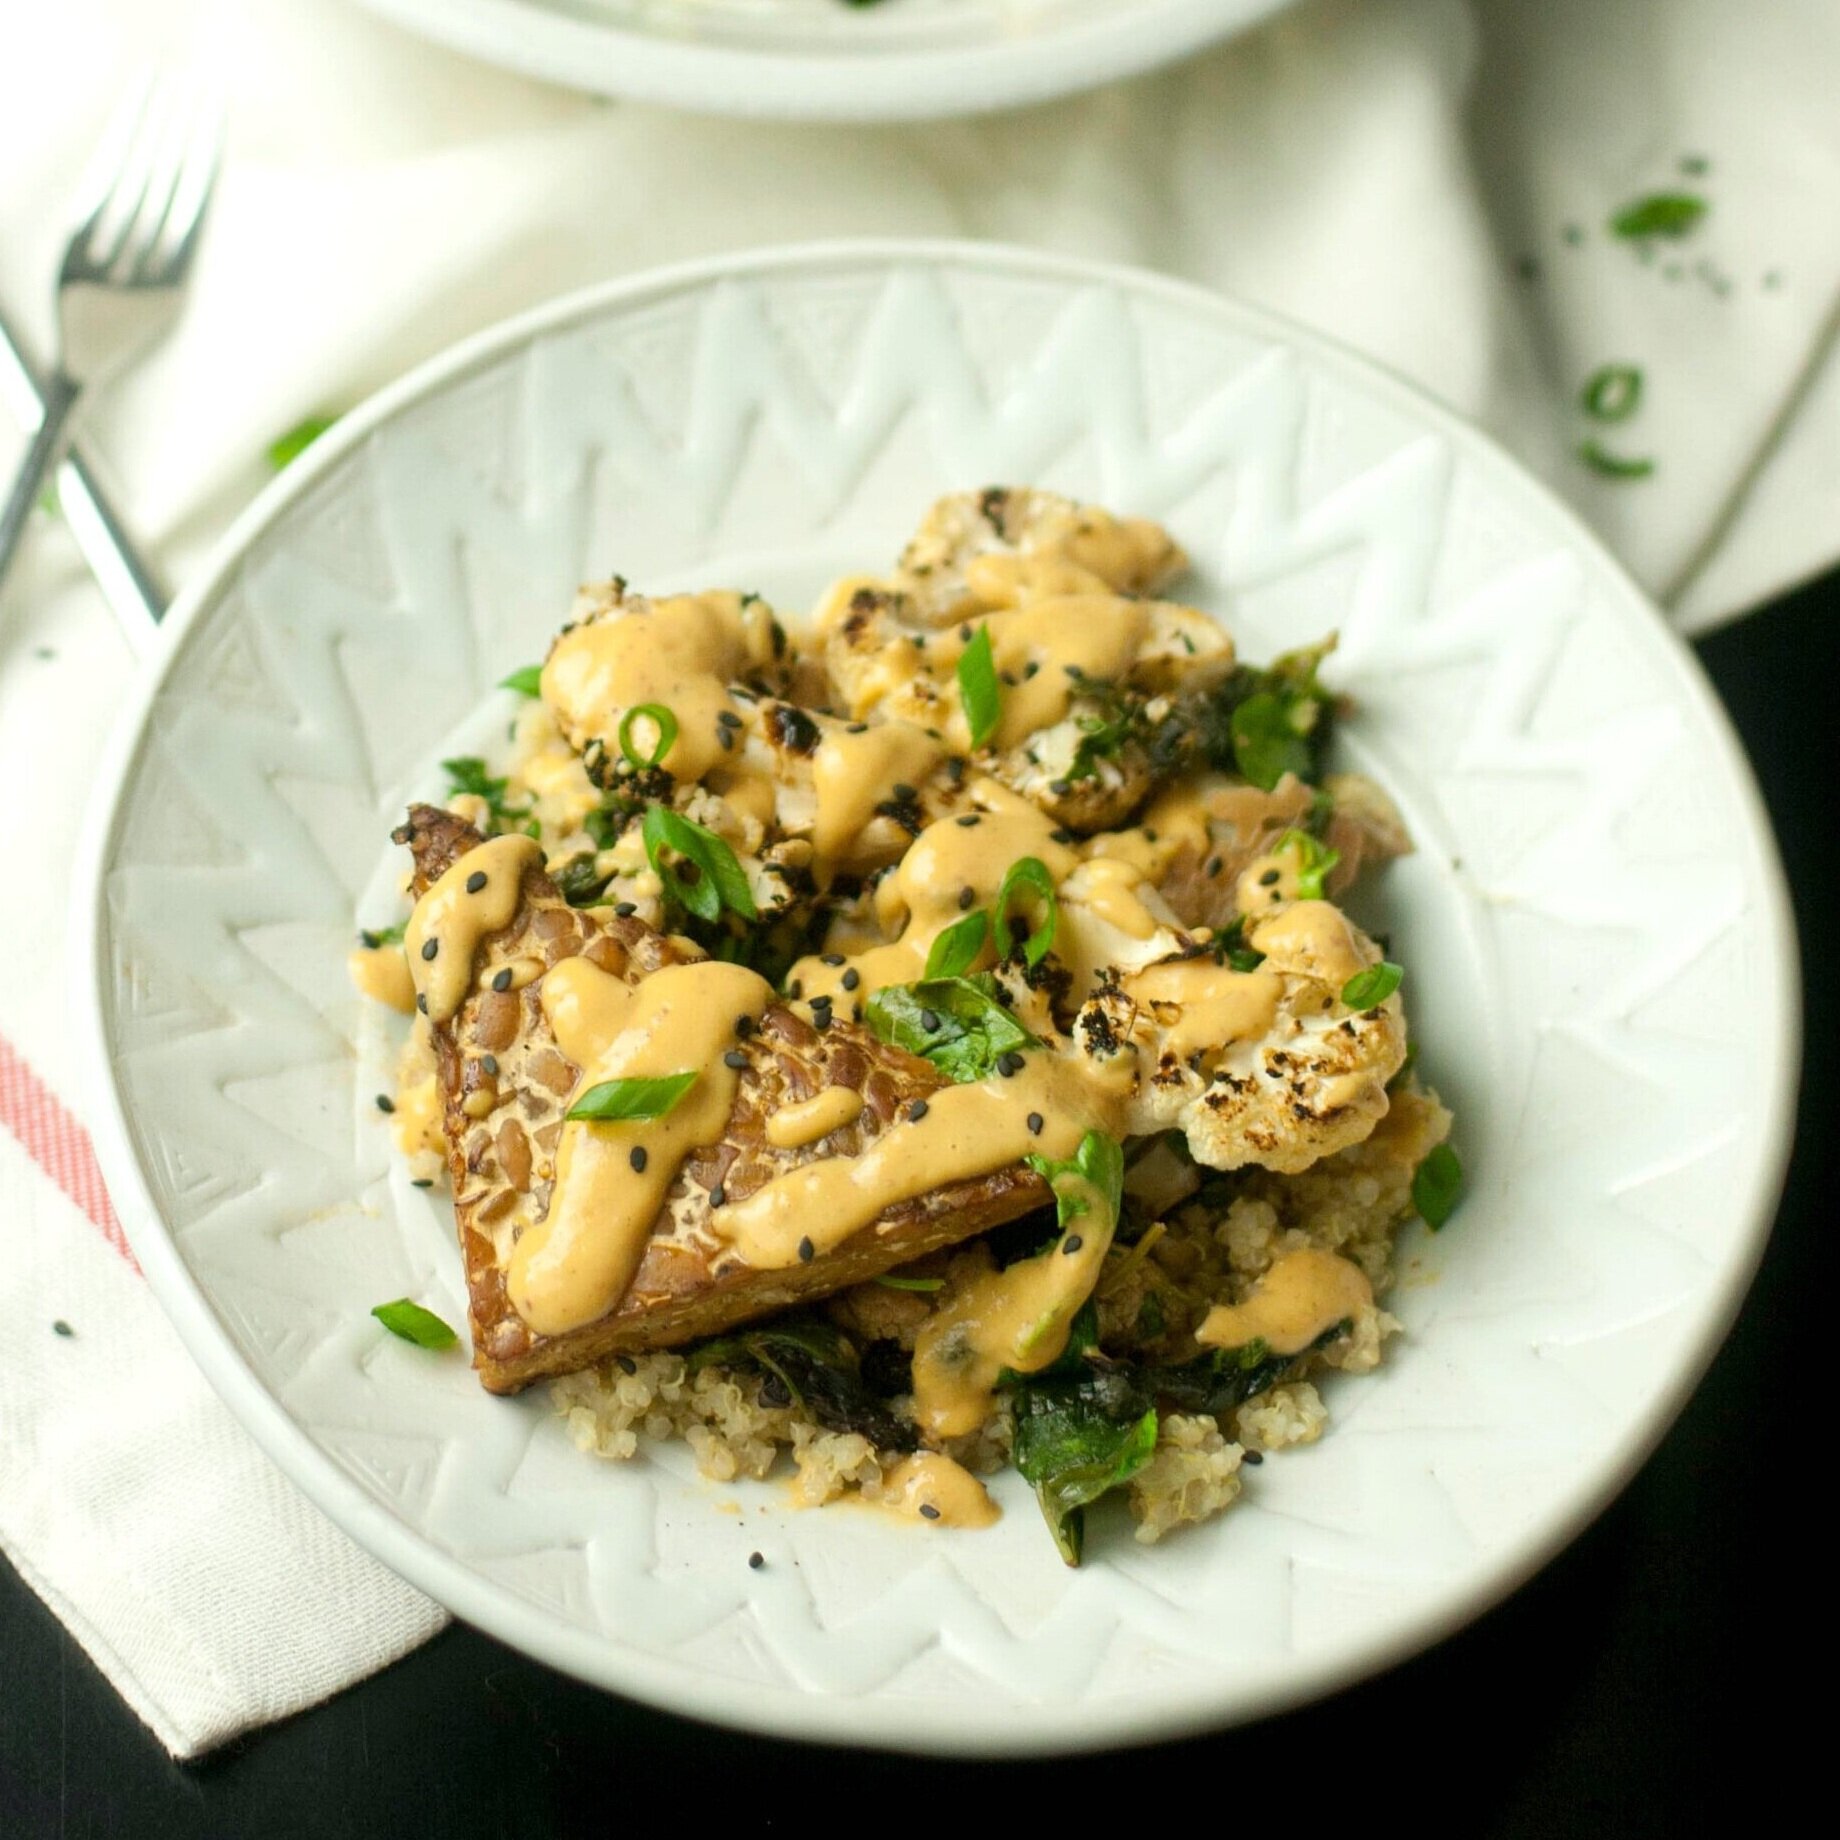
526 682
1612 393
1028 876
664 725
717 882
1670 214
614 1100
414 1324
1315 862
814 1363
1435 1186
289 448
978 688
956 950
383 935
1613 466
466 774
1373 986
956 1023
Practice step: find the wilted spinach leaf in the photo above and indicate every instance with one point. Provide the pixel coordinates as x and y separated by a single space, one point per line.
956 1023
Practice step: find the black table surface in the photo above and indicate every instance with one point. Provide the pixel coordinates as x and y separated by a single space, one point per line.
1616 1694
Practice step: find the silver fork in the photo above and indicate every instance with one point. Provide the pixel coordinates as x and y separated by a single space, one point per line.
124 270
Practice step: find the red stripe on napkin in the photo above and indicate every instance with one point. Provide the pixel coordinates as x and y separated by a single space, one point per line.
57 1144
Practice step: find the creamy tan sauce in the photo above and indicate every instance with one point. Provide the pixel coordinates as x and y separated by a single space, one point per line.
1114 890
1095 634
1205 1007
1304 1295
475 898
966 1131
680 653
794 1126
575 1265
853 773
1313 939
1018 1318
382 974
934 1488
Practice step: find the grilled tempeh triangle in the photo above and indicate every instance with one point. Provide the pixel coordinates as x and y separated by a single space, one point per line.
506 1085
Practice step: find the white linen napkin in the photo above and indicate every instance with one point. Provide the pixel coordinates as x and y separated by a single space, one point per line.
1427 180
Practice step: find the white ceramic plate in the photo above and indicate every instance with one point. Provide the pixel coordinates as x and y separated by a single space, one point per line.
823 60
1599 951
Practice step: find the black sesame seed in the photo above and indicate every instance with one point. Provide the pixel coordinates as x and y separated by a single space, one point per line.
916 1111
1214 865
724 739
1029 669
903 792
717 1195
964 632
625 909
796 989
755 1561
857 728
1265 881
501 980
734 1059
489 1064
1060 836
1009 1064
421 1003
636 1157
821 1018
61 1327
1073 1243
929 1020
744 1026
1254 1457
429 948
851 978
856 1012
931 1513
968 820
807 1251
422 1182
1036 1121
955 768
627 1364
831 958
728 718
1060 787
967 899
385 1103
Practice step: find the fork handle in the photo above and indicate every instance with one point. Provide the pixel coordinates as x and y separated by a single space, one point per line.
60 396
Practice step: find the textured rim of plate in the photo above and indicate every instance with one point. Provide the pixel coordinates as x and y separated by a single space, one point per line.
908 1725
1051 58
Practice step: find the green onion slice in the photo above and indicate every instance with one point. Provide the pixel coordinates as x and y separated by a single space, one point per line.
1614 466
1435 1186
615 1100
662 721
1374 985
956 950
414 1324
1029 876
526 682
719 882
978 688
1612 393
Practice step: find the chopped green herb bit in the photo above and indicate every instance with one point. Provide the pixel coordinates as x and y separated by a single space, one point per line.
527 682
1028 876
467 776
1374 985
664 733
956 950
978 688
289 448
1614 466
615 1100
1435 1186
956 1023
1612 393
715 879
1315 863
1670 214
414 1324
383 935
